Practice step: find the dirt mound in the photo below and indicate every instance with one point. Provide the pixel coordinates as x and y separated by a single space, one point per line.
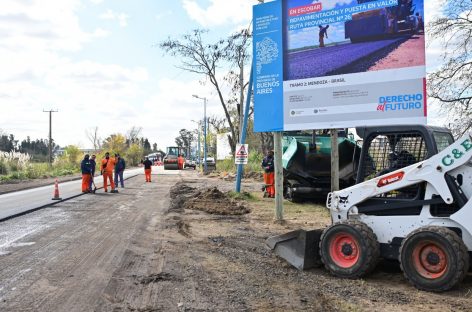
179 194
214 201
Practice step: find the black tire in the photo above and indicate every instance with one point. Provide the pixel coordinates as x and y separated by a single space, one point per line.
349 249
434 258
292 197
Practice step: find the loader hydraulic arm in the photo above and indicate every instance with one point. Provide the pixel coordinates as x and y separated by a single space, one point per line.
432 171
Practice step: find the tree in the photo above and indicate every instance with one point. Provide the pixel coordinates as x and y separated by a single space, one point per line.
115 143
71 157
7 142
451 83
146 146
237 52
92 136
132 135
185 138
206 59
134 154
218 124
154 147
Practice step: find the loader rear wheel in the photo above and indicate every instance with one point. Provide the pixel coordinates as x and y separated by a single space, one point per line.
349 249
434 258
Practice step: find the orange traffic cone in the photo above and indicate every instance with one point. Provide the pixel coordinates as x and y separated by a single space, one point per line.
56 192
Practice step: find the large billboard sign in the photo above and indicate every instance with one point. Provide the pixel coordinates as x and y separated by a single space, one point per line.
338 63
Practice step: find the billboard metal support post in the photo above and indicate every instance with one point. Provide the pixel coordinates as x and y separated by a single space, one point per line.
279 177
244 129
334 161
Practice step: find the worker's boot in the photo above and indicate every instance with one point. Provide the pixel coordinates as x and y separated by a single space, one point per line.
114 191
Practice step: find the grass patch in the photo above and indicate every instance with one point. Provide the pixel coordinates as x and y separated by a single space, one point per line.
242 196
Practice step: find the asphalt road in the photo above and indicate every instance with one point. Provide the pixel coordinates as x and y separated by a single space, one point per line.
17 203
307 64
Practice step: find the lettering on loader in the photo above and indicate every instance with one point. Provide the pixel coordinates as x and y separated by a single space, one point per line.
448 160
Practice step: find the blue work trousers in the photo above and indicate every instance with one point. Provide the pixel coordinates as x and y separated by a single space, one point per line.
91 181
119 176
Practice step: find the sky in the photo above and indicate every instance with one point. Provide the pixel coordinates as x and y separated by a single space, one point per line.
97 63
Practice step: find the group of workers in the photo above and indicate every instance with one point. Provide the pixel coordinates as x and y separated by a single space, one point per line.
117 165
108 166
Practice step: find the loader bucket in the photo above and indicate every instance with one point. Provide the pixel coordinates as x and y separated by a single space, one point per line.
300 248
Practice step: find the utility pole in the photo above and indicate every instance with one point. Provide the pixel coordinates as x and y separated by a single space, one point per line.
50 133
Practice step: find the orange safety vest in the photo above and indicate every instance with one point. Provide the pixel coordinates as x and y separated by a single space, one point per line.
108 165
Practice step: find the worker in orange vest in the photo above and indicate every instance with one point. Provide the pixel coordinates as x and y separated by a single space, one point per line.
147 169
181 162
268 166
107 166
86 168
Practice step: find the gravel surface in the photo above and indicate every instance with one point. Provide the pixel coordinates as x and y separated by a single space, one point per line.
134 251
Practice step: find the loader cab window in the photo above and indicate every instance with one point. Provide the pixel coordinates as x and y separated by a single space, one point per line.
443 140
390 152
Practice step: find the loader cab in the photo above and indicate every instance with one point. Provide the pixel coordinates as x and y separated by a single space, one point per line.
387 149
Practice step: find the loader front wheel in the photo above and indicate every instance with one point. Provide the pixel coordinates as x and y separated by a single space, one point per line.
349 249
434 258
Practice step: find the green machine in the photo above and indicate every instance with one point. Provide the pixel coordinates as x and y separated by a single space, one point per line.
307 163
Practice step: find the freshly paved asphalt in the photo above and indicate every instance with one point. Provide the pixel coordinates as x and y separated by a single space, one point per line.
17 203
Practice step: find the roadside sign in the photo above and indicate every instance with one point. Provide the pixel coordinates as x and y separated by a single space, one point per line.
242 152
327 64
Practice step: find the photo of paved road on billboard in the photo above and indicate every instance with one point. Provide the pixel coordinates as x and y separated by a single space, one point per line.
389 36
344 63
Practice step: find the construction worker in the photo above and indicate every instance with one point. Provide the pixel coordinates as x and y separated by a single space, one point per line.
93 165
86 168
107 166
181 162
420 22
268 166
147 169
323 33
119 169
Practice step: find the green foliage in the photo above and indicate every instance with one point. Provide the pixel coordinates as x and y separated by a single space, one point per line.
226 165
70 160
254 164
134 154
242 196
18 166
115 144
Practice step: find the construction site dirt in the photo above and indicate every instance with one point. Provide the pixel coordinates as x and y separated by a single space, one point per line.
144 250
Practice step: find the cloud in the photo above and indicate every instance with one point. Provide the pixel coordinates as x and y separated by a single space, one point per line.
164 14
219 12
96 2
122 18
172 105
42 25
36 74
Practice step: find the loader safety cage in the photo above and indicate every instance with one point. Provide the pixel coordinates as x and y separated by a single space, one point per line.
388 149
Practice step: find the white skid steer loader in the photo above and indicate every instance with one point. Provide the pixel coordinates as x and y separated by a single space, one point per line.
411 203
